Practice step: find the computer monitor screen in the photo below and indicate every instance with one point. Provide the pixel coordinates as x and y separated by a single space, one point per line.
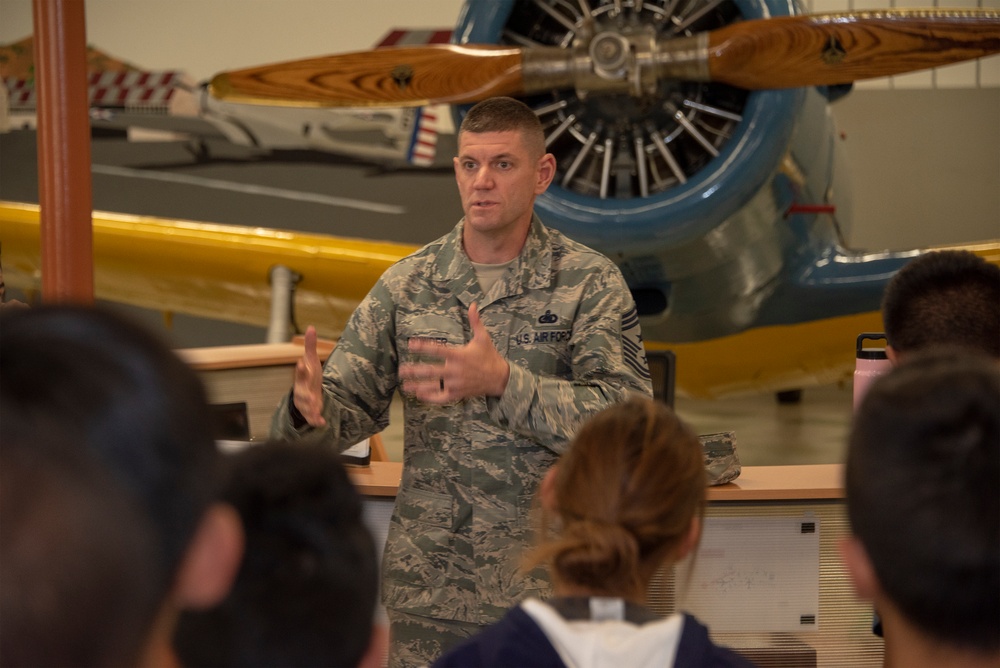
230 422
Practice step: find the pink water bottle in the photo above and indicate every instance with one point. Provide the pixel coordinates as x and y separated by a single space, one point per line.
870 363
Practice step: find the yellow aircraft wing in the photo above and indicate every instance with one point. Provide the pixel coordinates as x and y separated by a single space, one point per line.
208 270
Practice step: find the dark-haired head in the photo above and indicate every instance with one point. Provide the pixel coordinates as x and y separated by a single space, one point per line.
117 426
77 562
921 477
944 297
306 591
92 378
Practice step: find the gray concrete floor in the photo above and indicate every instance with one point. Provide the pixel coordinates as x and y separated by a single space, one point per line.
813 431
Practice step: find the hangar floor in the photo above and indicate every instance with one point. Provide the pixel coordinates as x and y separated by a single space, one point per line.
813 431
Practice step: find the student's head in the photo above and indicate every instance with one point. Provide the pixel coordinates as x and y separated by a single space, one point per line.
89 379
943 297
306 591
76 560
921 481
629 493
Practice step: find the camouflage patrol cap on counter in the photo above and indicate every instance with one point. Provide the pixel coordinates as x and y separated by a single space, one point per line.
721 461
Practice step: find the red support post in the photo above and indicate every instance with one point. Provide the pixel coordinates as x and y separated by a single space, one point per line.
64 181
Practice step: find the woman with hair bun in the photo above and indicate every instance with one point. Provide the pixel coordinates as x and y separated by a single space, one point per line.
624 501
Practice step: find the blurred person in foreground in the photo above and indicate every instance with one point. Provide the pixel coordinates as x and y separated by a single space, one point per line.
922 469
306 591
100 416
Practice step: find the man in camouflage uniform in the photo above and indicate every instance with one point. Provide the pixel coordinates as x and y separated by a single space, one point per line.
504 336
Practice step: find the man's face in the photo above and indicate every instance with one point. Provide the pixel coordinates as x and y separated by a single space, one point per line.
498 180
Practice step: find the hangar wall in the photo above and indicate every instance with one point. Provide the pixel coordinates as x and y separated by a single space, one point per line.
925 165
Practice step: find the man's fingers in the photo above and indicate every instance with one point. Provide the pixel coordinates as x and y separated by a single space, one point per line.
434 391
308 390
310 343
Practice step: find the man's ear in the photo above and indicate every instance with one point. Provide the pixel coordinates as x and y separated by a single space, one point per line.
547 490
375 654
546 172
859 568
212 559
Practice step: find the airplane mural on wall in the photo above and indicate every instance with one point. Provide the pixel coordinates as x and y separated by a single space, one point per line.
695 148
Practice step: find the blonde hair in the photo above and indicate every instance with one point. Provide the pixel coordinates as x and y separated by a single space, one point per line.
626 492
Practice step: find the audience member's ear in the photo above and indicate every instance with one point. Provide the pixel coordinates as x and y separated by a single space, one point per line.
690 541
547 490
212 559
375 654
859 568
891 353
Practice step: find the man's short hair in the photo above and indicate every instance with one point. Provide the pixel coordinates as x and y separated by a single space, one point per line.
307 589
505 114
91 377
922 469
944 297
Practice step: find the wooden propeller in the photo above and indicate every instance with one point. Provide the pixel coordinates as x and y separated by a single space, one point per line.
781 52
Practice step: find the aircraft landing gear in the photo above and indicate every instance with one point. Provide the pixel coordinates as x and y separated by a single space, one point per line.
199 149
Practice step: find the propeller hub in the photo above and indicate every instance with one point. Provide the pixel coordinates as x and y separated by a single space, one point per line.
617 62
610 53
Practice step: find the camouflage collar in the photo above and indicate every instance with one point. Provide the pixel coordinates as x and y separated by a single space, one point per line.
533 269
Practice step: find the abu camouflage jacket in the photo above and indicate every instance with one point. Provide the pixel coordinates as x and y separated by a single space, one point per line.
565 320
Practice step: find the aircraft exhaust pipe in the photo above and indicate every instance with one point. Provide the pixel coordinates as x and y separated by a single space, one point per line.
283 281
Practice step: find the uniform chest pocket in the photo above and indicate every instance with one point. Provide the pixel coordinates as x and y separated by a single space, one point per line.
438 327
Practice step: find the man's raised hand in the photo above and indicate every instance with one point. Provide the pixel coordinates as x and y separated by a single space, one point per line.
308 389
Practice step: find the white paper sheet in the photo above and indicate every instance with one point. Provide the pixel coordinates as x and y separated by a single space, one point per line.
754 574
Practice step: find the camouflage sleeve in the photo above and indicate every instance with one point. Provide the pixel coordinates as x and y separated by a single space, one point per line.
608 363
359 379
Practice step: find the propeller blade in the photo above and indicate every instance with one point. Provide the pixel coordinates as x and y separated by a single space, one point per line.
397 77
780 52
827 49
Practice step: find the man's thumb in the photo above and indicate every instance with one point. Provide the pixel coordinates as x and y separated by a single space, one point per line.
474 322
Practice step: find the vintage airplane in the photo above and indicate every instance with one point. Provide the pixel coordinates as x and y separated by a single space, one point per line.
166 105
695 148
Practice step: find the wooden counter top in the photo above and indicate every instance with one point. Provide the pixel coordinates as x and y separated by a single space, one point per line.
377 479
250 355
782 483
756 483
381 479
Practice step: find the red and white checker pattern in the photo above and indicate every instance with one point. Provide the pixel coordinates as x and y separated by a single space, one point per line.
122 89
107 89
